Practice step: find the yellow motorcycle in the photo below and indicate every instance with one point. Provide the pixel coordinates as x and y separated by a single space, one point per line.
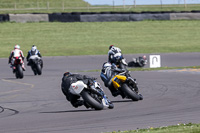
127 86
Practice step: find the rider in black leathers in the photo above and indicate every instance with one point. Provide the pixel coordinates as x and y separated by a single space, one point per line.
67 80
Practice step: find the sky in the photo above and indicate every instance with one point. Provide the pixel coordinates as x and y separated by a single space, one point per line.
140 2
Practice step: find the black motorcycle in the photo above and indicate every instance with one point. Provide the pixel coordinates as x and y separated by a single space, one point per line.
36 64
141 61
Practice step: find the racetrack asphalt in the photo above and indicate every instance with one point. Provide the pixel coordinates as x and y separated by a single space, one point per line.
35 104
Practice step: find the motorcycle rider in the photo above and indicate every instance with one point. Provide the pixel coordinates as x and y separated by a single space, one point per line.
32 52
112 51
16 53
111 68
67 80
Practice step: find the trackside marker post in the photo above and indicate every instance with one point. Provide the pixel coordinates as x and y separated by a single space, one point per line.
155 61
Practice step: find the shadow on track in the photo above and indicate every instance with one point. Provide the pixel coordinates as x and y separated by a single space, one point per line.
9 78
2 109
69 111
123 101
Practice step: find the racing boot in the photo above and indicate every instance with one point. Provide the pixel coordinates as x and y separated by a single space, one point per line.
141 97
78 103
86 105
23 67
115 93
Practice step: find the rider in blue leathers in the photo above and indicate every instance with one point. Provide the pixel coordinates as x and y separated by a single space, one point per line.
32 52
112 67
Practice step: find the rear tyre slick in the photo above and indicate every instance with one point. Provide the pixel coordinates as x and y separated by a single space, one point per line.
19 72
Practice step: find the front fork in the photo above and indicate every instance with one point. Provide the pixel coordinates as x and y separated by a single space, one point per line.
132 82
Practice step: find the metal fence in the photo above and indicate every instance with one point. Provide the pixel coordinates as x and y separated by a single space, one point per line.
64 6
43 6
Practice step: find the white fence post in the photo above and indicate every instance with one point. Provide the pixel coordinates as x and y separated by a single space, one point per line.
135 3
185 4
63 6
113 5
15 6
38 5
47 5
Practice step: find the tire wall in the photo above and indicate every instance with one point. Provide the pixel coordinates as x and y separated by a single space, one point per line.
64 17
185 16
4 17
99 17
104 17
23 18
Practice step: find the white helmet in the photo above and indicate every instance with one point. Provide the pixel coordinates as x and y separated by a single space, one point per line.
17 47
115 50
33 48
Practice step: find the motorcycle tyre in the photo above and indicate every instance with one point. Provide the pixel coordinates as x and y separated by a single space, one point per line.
91 101
38 69
111 106
34 70
130 93
19 72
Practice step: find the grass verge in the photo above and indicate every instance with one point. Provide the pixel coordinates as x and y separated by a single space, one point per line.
179 128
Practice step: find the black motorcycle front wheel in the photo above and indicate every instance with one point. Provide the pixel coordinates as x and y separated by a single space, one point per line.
93 101
39 69
130 93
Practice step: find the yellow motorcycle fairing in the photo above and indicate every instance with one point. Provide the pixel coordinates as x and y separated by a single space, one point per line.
117 79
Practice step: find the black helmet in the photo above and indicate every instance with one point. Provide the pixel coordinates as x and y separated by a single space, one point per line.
67 74
110 46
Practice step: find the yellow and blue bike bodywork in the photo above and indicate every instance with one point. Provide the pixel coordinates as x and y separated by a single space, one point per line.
117 80
127 86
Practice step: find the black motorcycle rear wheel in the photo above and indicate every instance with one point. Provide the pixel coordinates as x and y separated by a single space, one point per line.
92 101
19 72
130 93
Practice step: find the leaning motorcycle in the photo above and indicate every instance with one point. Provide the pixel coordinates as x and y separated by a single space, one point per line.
17 67
36 64
141 61
127 86
93 96
123 82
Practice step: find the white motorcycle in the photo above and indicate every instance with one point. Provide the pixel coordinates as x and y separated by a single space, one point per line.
93 96
36 64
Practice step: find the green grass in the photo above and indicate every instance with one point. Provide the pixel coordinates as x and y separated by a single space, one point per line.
179 128
38 6
65 39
